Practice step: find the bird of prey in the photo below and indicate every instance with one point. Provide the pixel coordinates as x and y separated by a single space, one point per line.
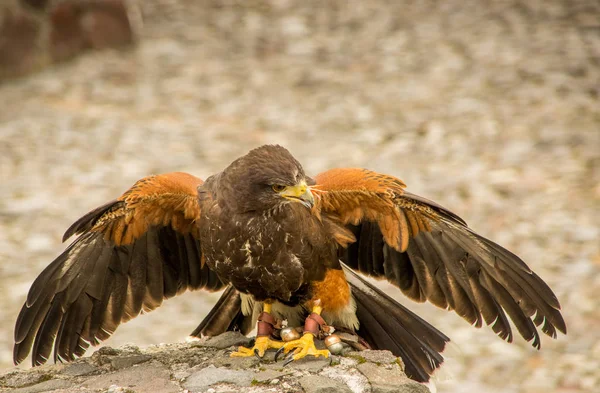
285 247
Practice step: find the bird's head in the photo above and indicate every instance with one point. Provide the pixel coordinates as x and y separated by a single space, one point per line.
264 179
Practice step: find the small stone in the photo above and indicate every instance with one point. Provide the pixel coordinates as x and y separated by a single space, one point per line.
274 381
128 361
79 369
319 384
108 351
201 380
130 348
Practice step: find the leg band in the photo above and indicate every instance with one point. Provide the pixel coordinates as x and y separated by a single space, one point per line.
313 324
266 324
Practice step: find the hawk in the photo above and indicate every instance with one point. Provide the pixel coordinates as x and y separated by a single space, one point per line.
284 246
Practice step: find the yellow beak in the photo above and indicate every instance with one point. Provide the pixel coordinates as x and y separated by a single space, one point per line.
299 193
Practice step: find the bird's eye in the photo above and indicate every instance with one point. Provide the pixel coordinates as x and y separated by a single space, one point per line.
278 187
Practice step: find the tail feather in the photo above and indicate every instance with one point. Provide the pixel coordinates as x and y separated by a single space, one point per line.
226 315
386 324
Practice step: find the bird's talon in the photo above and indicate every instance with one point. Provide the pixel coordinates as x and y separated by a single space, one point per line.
279 352
261 345
288 360
289 357
300 348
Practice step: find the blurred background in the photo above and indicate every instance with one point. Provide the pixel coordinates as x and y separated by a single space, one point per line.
491 108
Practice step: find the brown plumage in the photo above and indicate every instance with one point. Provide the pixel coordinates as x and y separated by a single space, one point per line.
288 245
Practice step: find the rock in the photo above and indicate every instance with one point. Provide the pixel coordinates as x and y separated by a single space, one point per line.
319 384
148 377
45 386
203 379
225 340
382 357
310 364
389 379
270 375
176 367
128 361
235 363
19 379
79 369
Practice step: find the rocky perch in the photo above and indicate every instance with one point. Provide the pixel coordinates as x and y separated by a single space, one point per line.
205 366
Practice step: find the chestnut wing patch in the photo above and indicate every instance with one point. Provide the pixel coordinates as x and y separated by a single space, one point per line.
131 254
431 254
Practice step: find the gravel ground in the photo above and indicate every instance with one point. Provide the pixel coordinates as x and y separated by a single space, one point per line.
493 110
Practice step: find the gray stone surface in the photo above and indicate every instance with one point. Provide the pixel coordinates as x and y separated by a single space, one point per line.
201 380
319 384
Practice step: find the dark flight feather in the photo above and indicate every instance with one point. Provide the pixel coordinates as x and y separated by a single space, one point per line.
452 267
99 281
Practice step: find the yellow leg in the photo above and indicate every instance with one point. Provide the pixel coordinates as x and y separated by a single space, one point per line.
304 346
261 344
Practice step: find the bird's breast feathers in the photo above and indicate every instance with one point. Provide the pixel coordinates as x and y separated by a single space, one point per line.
272 252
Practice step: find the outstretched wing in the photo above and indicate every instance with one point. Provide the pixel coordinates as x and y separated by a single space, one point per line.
431 254
131 254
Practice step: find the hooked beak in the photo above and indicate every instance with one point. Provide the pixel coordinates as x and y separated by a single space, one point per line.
299 193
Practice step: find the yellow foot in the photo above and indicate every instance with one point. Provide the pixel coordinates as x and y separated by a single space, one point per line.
302 347
260 347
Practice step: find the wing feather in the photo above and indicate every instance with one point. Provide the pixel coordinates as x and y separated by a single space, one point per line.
131 253
431 254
